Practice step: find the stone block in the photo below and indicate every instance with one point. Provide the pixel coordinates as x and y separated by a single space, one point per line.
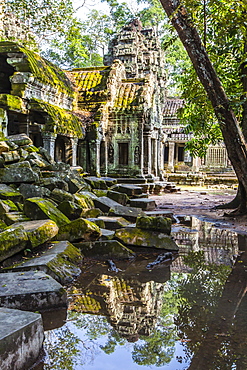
143 203
121 198
39 231
21 338
7 206
32 191
107 234
83 200
79 229
53 182
70 209
8 193
13 174
11 156
12 217
40 209
59 261
113 223
31 291
105 249
130 213
76 184
128 189
145 238
96 182
91 213
110 181
59 195
158 223
20 139
105 204
12 240
3 147
98 222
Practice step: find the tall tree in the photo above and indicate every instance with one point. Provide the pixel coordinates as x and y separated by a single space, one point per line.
231 132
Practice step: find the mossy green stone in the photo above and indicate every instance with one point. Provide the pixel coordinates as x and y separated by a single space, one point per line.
12 240
79 229
145 238
40 209
158 223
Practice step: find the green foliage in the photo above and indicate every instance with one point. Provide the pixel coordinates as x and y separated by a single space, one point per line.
45 17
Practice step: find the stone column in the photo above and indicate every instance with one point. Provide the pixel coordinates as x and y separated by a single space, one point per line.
94 148
196 164
171 146
49 142
74 143
147 154
3 122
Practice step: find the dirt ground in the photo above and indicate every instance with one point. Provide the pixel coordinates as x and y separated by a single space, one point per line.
200 202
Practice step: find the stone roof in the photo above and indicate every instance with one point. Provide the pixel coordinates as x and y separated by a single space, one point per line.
129 97
171 107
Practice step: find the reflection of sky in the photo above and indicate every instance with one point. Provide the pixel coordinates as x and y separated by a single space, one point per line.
121 358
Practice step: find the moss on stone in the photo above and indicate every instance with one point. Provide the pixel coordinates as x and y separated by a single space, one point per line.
59 120
11 102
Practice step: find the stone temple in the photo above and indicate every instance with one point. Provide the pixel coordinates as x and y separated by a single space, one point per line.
114 120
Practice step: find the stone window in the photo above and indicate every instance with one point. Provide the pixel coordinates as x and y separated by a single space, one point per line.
123 153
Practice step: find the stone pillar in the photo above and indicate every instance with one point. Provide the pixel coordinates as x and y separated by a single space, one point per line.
3 122
49 142
74 142
94 165
196 164
147 154
171 146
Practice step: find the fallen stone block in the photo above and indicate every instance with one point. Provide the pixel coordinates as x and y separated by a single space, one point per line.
128 189
110 181
32 191
79 229
96 182
99 222
3 147
105 249
143 203
121 198
105 204
8 193
70 210
12 240
59 195
31 291
12 217
53 182
11 156
7 205
91 213
145 238
59 261
18 173
20 139
107 234
21 338
130 213
39 231
113 223
40 209
83 200
158 223
76 184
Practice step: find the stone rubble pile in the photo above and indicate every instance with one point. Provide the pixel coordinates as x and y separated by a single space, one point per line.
43 202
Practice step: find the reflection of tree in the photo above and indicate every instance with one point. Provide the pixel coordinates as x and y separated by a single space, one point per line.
61 345
198 296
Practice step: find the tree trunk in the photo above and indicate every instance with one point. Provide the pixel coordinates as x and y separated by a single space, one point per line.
232 135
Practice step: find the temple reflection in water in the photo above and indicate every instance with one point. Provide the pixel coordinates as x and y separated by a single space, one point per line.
132 299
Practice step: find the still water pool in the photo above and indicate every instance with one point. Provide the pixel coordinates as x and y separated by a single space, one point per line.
186 314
